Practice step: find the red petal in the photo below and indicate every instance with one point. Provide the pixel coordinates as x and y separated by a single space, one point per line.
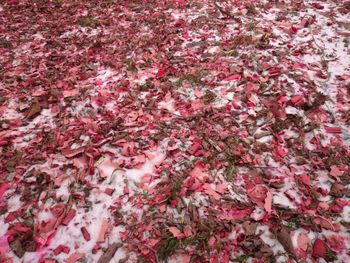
333 129
319 249
233 77
70 215
160 73
85 233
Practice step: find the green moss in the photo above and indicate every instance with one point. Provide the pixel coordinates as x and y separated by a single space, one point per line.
167 247
331 255
233 53
230 172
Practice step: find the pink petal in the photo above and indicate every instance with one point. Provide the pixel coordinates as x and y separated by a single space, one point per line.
303 241
305 179
210 191
333 129
72 152
160 73
103 230
324 222
335 172
4 245
268 203
176 232
233 77
75 257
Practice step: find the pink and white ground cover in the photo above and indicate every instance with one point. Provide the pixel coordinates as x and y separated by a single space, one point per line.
180 131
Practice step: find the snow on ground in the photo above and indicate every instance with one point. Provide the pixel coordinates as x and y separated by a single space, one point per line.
179 131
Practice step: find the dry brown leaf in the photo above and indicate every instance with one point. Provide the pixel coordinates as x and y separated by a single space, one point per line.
283 236
35 109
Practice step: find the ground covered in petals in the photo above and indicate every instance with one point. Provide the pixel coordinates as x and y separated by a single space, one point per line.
174 131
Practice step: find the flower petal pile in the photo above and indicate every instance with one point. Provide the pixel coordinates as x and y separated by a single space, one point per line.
174 131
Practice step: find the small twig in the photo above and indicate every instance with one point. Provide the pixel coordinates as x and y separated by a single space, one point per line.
214 145
255 166
264 167
109 253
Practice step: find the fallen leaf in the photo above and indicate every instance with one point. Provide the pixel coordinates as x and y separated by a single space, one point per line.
72 152
176 232
335 130
319 248
283 236
74 257
258 194
160 73
35 109
210 191
17 248
233 77
70 215
4 245
303 241
305 179
70 93
324 222
268 203
103 230
335 172
85 233
250 228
